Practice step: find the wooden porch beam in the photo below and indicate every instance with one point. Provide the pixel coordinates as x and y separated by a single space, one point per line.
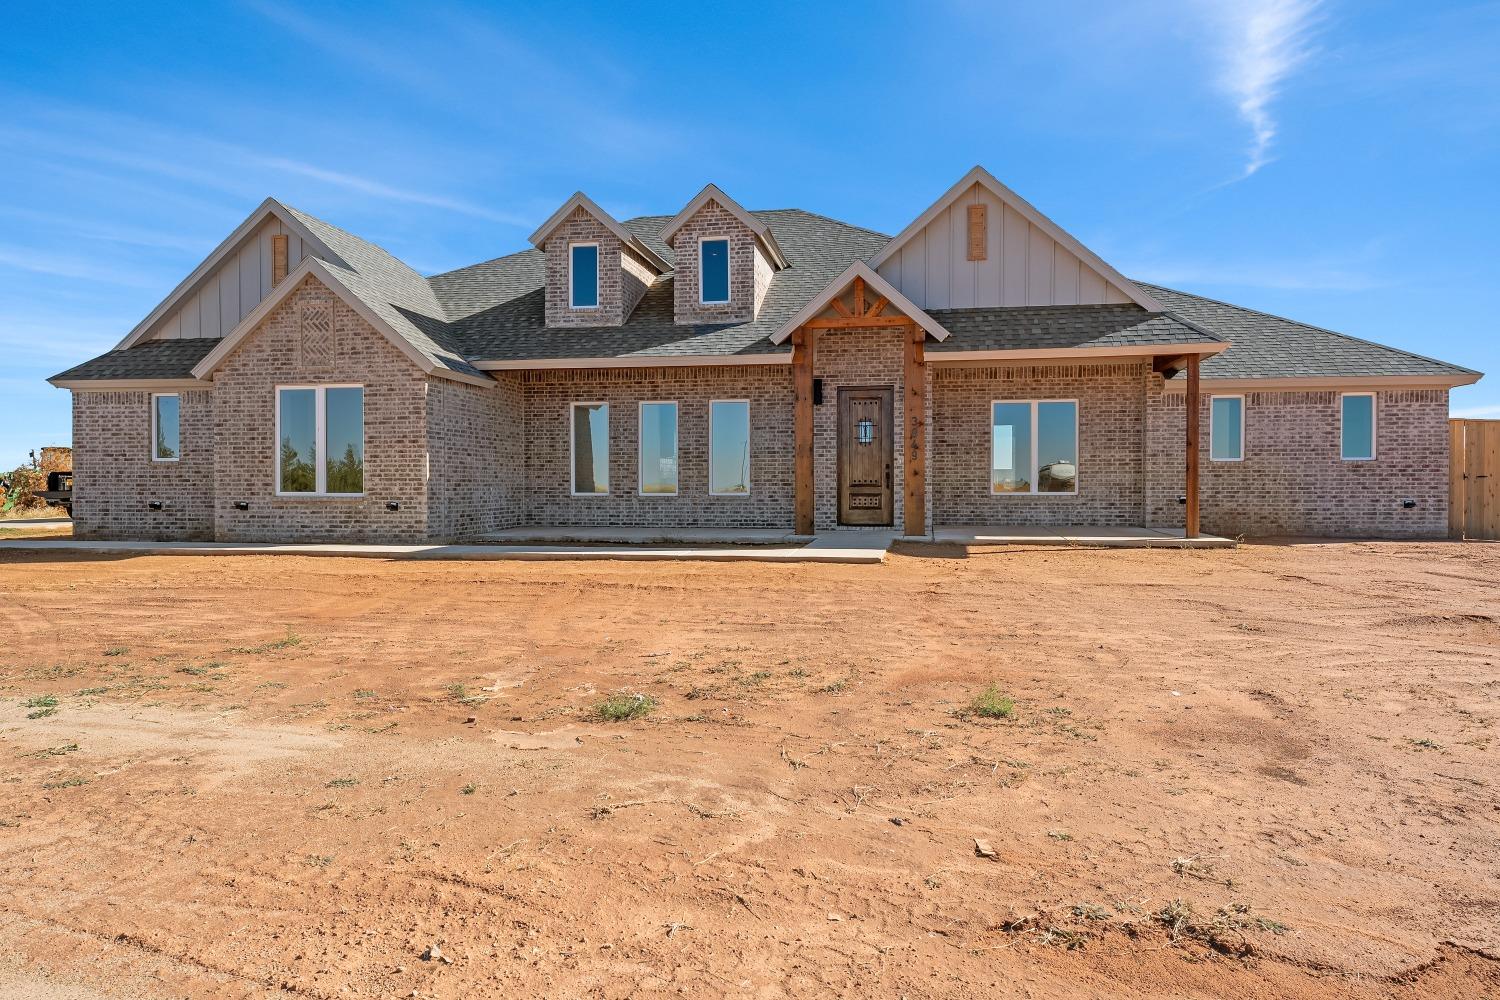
803 343
1167 366
838 306
879 305
854 322
859 295
914 422
1190 523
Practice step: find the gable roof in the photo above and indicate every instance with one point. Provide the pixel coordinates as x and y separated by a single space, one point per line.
985 179
836 287
1266 346
243 233
149 361
1069 328
711 192
625 236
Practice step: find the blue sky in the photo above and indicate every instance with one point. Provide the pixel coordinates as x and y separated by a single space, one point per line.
1332 161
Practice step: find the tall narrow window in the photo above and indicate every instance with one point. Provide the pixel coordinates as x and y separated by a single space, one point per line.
1034 446
713 271
1226 428
166 427
583 275
729 447
658 449
1357 426
320 441
590 449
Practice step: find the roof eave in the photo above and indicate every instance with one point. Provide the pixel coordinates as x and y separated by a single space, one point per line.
121 384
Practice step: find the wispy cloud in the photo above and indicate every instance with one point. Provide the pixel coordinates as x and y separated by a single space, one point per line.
1477 412
364 185
64 266
1261 43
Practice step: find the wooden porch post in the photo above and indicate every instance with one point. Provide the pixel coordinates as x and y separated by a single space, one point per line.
1190 526
914 408
803 341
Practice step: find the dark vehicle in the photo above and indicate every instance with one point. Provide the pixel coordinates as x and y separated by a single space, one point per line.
59 490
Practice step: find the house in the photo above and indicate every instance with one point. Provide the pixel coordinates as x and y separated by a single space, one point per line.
723 368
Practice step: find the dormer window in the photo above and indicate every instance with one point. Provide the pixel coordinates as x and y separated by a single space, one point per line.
713 271
583 275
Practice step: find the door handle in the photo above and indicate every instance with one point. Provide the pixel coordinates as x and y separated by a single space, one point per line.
888 474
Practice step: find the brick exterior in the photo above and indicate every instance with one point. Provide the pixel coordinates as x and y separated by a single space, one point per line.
749 271
114 478
1292 480
477 465
623 275
548 396
1111 439
244 400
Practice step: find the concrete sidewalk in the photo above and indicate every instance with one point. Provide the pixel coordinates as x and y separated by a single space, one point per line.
1078 535
829 547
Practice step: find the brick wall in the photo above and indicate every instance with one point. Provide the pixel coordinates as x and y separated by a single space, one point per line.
547 399
1111 401
867 357
623 275
114 478
749 271
477 466
244 400
1292 480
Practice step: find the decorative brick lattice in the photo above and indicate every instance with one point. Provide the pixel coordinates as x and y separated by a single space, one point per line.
315 324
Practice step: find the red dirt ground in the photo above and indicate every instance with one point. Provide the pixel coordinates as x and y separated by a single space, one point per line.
1266 772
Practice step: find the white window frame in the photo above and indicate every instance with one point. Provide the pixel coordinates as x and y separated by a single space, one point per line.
320 439
749 432
1035 458
154 418
640 444
728 272
1241 449
573 447
597 260
1374 427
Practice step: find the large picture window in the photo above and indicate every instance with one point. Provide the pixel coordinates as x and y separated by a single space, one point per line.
583 275
1357 426
1226 428
1034 446
713 271
320 440
166 427
658 457
590 446
729 447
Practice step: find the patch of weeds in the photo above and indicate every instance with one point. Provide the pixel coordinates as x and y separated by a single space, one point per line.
461 694
1059 710
364 694
116 651
341 783
270 686
289 640
200 670
1090 911
991 704
66 748
837 687
1059 937
377 730
756 679
90 692
468 789
694 693
72 782
319 860
1425 743
1059 835
797 672
1177 917
41 706
1076 733
623 707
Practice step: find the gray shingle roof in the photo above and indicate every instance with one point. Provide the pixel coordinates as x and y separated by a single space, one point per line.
1012 328
152 359
1267 346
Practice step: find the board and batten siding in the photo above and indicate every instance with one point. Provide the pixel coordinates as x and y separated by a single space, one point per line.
1023 266
234 288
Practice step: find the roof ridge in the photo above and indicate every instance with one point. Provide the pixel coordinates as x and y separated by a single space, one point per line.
1309 326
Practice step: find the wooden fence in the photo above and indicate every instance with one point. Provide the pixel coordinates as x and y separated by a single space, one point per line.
1474 479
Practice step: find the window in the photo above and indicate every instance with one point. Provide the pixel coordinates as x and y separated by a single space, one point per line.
658 449
166 427
590 459
320 434
729 447
1357 426
583 275
1034 446
1226 428
713 271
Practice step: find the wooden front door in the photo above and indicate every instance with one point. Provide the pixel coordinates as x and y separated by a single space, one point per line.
866 450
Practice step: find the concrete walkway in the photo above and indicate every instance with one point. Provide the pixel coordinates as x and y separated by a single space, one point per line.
830 547
664 535
33 522
1080 535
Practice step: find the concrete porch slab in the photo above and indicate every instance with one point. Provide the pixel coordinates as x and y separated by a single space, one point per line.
660 535
1097 537
869 547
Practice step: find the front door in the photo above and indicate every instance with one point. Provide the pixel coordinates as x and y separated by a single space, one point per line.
866 449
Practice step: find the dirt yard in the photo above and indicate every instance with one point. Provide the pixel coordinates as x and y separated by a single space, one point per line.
1267 772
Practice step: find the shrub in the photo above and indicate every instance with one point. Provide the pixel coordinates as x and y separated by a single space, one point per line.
991 704
623 707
